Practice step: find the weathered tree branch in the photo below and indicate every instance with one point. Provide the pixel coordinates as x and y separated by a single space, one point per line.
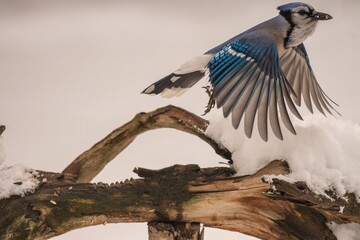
86 166
211 196
179 194
336 209
175 230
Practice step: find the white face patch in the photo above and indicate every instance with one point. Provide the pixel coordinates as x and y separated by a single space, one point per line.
302 31
304 25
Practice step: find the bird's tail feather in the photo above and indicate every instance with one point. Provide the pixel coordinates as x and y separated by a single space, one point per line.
174 84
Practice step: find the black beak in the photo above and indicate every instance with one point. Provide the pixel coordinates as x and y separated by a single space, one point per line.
321 16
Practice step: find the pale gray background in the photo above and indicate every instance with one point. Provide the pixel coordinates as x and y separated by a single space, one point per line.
72 71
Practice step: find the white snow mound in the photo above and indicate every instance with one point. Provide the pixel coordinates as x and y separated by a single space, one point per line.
17 179
350 231
325 152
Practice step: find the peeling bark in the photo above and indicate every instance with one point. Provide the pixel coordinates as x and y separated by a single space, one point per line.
175 231
173 200
185 194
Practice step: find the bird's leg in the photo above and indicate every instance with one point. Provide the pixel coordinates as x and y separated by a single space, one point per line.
211 102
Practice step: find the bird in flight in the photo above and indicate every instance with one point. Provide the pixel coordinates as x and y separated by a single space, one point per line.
264 70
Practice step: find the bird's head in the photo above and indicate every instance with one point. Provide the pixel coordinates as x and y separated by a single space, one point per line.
302 18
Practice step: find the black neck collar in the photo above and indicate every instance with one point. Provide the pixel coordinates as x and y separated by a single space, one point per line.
287 16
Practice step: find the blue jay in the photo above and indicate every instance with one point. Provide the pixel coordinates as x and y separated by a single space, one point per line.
263 70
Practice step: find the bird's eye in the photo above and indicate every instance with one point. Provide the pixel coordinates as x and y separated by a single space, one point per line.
302 12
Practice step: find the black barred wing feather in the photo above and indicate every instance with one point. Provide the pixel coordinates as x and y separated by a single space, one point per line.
246 79
296 67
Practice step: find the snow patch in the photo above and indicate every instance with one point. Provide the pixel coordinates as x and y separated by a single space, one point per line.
17 179
269 178
342 209
349 231
325 152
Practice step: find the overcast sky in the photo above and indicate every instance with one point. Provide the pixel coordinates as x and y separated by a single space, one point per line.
72 71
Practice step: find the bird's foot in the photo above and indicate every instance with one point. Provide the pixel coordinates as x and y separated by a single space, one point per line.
208 90
211 102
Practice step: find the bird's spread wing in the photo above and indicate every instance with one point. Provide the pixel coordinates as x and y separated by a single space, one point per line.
296 67
247 79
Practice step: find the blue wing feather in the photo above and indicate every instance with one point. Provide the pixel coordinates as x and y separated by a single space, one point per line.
241 73
236 91
236 64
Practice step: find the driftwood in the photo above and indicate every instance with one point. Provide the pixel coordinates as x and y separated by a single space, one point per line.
175 200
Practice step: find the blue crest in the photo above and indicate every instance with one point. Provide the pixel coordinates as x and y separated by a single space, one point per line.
289 6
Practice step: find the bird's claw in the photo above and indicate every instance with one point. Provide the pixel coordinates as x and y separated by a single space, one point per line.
211 102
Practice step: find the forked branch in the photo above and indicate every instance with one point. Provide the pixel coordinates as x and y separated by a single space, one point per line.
86 166
180 194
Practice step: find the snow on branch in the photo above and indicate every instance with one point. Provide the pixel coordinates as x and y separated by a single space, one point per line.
261 204
212 196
